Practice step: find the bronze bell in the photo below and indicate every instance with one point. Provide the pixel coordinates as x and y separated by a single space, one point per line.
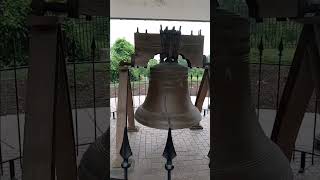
241 150
168 103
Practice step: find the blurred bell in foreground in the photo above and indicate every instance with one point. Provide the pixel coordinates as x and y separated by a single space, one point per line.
241 150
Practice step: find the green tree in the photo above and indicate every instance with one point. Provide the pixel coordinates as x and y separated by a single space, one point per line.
121 50
13 19
13 30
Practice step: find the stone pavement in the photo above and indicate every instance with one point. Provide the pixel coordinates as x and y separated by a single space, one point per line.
148 144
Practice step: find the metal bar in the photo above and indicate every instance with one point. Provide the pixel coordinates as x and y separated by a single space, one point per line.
208 99
115 93
80 34
8 161
75 92
145 86
126 173
84 144
75 105
17 99
279 73
293 155
10 69
310 153
303 162
133 85
94 89
68 63
86 32
139 88
88 61
191 86
259 77
1 166
98 62
12 170
314 129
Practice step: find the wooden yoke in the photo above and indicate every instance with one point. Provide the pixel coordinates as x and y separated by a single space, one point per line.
148 45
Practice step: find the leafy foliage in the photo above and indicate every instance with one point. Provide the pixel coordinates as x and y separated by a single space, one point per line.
122 50
14 31
13 19
80 34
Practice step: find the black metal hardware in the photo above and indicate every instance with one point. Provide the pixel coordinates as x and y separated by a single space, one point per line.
169 153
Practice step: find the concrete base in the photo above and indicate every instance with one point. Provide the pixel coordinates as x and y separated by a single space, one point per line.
133 129
196 127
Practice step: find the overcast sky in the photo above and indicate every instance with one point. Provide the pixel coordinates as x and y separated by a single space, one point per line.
127 28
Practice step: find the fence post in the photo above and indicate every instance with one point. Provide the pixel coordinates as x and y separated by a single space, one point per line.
314 128
303 162
1 166
293 155
73 46
169 153
12 170
260 48
93 57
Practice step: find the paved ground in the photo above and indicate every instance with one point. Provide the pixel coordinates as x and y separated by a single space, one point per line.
148 144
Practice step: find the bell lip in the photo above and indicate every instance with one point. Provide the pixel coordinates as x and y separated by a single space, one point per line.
163 124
